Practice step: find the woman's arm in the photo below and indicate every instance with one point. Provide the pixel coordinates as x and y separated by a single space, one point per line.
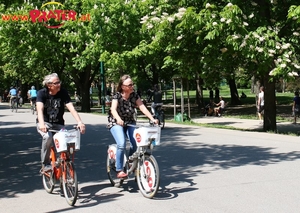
145 111
113 110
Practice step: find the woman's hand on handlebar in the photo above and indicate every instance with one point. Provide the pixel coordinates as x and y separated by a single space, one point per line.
120 122
155 121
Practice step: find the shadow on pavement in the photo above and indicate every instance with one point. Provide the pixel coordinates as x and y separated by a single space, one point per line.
178 161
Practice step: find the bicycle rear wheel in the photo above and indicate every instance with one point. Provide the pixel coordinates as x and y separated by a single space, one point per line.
48 181
70 184
161 118
12 105
148 176
111 167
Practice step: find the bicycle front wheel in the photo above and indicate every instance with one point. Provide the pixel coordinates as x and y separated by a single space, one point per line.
148 176
70 184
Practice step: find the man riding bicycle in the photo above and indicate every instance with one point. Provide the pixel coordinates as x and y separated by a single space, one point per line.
50 104
12 94
32 95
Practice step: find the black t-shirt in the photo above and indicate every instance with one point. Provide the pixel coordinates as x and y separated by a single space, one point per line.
157 97
54 105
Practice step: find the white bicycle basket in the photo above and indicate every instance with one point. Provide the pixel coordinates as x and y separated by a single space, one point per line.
61 139
143 134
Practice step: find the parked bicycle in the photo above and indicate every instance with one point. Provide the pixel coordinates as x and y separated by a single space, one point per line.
142 163
63 169
14 104
160 116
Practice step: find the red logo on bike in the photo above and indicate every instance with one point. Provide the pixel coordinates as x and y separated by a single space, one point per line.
56 144
138 137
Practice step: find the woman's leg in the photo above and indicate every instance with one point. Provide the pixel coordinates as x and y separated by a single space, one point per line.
117 132
129 132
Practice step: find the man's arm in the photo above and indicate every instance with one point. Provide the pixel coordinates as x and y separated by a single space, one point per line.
40 117
75 114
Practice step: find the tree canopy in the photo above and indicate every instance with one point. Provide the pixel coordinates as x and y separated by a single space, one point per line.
154 40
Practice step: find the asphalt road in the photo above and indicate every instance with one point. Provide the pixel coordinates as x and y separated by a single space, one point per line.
202 170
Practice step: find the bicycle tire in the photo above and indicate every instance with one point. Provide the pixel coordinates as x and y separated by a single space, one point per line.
48 181
70 183
16 105
148 176
161 118
111 170
12 105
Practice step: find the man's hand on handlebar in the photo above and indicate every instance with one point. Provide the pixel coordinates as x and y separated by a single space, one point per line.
43 128
81 127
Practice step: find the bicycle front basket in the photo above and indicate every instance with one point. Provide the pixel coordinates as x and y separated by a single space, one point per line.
61 139
143 134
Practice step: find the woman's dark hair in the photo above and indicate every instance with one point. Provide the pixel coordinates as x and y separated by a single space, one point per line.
121 81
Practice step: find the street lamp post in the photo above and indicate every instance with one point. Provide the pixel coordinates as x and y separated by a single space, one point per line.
103 85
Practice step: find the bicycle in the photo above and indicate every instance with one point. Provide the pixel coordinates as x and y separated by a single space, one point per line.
14 104
63 169
142 162
160 116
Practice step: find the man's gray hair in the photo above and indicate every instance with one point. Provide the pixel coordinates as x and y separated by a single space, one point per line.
48 77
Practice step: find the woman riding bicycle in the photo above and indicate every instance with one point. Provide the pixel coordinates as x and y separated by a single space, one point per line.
50 104
121 113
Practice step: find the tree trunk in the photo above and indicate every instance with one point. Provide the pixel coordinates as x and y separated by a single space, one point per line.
84 82
235 100
199 93
188 97
270 105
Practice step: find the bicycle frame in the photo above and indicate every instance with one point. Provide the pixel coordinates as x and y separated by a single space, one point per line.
58 166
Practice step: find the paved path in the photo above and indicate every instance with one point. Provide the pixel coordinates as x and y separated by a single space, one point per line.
202 170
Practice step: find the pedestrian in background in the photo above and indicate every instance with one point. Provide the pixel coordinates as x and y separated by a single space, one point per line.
296 106
261 104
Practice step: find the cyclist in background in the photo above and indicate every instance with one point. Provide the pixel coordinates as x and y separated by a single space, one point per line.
157 99
32 94
50 105
12 94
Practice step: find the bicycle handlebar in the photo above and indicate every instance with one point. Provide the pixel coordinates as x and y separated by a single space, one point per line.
140 125
55 130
